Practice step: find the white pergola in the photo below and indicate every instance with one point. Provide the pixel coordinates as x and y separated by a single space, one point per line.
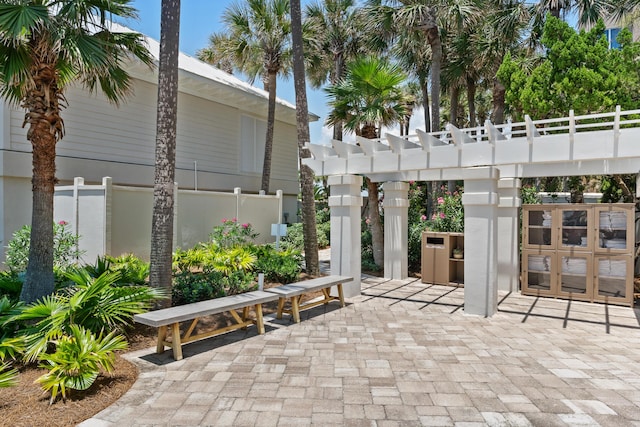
491 160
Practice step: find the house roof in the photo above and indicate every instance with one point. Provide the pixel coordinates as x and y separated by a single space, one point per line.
206 81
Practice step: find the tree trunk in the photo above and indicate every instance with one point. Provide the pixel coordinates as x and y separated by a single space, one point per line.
453 113
430 28
39 279
336 77
471 100
302 121
425 105
165 157
375 221
498 102
268 141
46 128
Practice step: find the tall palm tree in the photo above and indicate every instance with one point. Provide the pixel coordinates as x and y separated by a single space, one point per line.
46 45
257 41
165 168
334 34
302 124
369 97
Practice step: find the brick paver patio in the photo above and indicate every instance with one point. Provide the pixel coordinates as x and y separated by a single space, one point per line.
402 353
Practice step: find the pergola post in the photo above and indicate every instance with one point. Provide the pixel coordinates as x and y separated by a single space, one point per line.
396 229
345 203
480 200
509 231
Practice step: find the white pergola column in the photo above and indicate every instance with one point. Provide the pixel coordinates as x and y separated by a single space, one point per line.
480 200
509 230
345 203
396 229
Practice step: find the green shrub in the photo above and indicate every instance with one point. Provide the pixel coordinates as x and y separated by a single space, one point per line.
449 213
78 360
65 248
231 234
279 266
133 270
294 240
189 287
11 284
415 245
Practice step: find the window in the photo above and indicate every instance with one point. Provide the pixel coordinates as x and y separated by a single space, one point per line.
252 136
612 34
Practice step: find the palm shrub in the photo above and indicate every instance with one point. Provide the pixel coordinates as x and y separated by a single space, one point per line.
78 359
8 375
133 270
96 304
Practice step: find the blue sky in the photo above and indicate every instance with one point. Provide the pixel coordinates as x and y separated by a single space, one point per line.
200 18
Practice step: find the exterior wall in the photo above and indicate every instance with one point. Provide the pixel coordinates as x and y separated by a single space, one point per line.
116 220
104 140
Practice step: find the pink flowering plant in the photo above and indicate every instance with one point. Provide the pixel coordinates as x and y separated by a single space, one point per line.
233 233
448 215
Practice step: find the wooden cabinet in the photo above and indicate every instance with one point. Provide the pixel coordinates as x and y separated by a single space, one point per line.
579 251
439 264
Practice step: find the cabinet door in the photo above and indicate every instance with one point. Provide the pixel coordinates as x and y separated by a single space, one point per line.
575 233
613 278
539 227
539 273
614 229
575 274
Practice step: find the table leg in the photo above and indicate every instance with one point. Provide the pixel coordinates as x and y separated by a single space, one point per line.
295 308
162 335
281 301
341 294
175 341
259 319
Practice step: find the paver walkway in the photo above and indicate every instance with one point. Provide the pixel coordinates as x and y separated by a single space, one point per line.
401 354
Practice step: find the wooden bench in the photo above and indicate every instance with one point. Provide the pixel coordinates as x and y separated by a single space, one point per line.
174 315
295 291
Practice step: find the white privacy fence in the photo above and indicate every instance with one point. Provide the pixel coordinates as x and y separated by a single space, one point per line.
115 220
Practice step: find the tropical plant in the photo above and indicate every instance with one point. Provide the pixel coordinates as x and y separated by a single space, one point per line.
78 360
368 98
189 287
232 234
65 248
93 303
46 46
165 164
8 375
256 40
279 266
449 213
133 270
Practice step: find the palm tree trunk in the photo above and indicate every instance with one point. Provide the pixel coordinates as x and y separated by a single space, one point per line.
471 100
430 28
39 279
498 102
165 167
268 142
375 221
335 78
455 98
302 121
425 105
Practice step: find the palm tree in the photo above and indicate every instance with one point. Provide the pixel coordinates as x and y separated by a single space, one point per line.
334 34
256 40
46 45
369 97
165 169
302 121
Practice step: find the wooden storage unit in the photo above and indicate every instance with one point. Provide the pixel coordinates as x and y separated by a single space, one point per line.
438 264
579 251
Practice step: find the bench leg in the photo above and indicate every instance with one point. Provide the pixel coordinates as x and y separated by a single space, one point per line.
340 295
162 336
175 341
259 319
281 301
295 309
